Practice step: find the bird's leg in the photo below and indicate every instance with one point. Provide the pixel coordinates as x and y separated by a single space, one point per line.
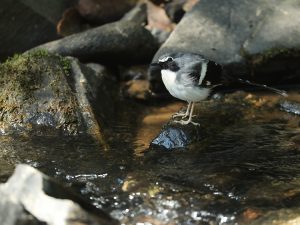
185 122
183 115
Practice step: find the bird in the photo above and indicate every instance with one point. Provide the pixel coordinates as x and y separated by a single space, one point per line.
187 77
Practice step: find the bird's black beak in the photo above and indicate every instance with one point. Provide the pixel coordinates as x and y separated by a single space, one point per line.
155 64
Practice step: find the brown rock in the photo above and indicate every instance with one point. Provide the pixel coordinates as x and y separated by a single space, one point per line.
71 23
104 11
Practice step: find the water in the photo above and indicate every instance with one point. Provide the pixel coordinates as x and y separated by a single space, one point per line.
244 172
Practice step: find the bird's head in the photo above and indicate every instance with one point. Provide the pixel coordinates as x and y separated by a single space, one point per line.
167 62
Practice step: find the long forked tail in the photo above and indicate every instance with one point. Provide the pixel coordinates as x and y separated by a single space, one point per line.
277 91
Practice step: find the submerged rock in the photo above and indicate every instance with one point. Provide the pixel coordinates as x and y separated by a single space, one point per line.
176 136
258 40
30 197
121 41
41 91
290 107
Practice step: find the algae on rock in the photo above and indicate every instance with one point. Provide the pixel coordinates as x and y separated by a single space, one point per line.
38 92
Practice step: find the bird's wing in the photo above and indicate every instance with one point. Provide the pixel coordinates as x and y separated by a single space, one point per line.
188 78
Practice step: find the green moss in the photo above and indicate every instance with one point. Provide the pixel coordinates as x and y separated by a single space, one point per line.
35 83
39 53
66 64
264 57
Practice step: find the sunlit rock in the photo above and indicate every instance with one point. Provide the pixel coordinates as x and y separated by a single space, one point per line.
29 192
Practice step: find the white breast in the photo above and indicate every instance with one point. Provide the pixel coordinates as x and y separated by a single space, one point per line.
168 78
186 93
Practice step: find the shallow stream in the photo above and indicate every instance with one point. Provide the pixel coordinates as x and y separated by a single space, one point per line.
245 170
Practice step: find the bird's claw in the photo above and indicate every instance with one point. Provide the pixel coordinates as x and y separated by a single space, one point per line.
182 115
186 122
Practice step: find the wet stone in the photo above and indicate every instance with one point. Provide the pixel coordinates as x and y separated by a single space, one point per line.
32 198
176 136
43 92
290 107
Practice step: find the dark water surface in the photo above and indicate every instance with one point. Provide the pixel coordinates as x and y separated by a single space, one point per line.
243 173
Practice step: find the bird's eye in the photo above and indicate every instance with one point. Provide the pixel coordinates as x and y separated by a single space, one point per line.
170 59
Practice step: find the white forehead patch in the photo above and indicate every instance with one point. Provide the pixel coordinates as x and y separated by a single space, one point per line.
165 59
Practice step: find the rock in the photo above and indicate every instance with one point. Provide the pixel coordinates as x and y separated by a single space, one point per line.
115 42
43 92
22 28
135 72
290 107
189 5
138 14
29 193
159 23
104 11
174 135
175 10
279 217
71 23
136 89
258 40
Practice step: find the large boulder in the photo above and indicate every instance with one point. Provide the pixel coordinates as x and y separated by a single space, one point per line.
121 41
256 39
30 197
42 91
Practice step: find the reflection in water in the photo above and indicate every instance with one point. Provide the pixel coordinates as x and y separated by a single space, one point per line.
151 124
238 174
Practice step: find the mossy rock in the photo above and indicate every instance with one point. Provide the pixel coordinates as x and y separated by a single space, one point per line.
39 91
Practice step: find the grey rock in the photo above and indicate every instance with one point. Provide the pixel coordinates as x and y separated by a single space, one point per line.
138 14
160 35
256 39
172 137
121 41
29 191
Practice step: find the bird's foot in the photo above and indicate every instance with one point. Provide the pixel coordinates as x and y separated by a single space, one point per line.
186 122
182 115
